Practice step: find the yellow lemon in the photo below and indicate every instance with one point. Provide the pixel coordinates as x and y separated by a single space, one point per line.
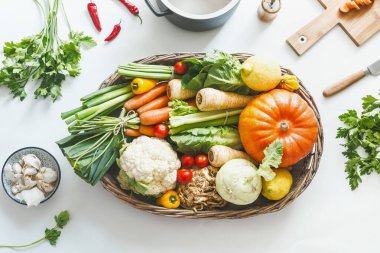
260 74
278 187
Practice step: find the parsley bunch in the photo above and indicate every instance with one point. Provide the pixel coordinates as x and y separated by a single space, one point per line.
44 57
362 134
51 234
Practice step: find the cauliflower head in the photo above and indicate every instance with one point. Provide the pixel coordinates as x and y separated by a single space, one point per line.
148 166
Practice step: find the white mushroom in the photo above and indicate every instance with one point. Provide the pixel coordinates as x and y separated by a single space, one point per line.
29 182
17 188
48 175
31 160
45 187
29 171
16 167
33 196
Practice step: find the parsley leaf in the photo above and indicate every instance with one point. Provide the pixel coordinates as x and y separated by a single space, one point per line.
51 234
273 157
362 135
43 57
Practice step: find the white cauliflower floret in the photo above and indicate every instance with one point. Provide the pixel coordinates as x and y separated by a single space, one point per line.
150 166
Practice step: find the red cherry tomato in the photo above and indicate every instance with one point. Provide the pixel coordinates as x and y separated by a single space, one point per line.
201 161
161 131
180 68
187 160
184 175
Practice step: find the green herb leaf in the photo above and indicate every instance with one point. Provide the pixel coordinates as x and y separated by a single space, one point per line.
62 218
52 235
273 157
361 133
181 108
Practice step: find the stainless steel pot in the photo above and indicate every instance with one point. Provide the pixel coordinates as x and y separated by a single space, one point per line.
195 15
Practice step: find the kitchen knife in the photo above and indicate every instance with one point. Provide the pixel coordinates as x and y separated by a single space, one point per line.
373 69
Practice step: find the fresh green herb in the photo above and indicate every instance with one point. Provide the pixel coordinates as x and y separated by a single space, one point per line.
181 108
200 140
217 70
362 135
43 57
273 157
51 234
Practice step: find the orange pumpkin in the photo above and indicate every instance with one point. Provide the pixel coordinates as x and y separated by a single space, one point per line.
278 114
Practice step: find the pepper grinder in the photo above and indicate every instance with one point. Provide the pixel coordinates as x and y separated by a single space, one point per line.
268 10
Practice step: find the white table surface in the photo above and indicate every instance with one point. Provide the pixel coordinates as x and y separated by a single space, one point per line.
327 217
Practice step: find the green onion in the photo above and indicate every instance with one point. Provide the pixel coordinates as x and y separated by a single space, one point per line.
107 96
103 91
70 113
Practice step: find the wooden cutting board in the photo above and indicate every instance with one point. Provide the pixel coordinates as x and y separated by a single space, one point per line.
359 25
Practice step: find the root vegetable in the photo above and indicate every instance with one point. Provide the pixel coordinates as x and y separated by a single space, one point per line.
154 104
147 130
132 132
155 116
145 98
209 99
176 91
218 155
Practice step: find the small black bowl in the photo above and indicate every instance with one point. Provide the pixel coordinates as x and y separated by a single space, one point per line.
47 160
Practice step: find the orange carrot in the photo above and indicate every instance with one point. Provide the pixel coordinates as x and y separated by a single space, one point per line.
147 130
155 116
155 104
131 132
145 98
191 102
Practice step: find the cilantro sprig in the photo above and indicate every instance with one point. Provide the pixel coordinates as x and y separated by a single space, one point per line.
51 234
362 135
43 57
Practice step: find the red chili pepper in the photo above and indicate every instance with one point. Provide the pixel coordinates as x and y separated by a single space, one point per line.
93 10
132 8
114 33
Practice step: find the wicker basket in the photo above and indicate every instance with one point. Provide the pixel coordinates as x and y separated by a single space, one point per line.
303 172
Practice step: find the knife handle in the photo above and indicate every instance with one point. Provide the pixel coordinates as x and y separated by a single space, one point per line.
346 82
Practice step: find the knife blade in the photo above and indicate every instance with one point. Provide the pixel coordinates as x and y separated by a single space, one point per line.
374 68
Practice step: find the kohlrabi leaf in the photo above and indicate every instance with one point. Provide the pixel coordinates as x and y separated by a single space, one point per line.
273 157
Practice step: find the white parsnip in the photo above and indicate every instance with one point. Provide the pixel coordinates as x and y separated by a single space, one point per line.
176 91
209 99
218 155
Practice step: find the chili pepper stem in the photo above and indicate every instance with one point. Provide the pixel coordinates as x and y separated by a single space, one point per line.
139 18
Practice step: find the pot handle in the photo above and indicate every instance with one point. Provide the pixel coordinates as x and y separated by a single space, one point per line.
156 12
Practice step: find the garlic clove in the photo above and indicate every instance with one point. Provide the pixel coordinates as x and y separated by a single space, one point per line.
31 160
33 197
38 176
49 175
